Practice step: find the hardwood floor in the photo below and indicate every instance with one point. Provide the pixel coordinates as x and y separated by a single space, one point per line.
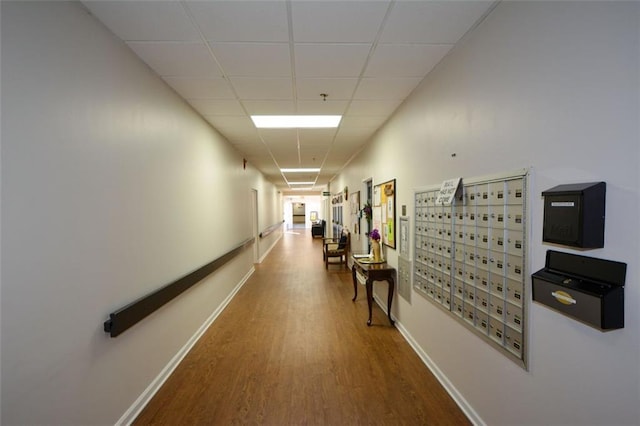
293 349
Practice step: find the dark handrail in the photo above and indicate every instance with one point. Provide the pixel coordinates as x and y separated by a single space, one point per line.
270 229
124 318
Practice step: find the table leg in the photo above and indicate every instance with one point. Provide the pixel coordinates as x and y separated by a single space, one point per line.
392 285
355 284
369 286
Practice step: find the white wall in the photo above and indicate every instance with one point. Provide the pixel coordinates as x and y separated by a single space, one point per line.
111 187
553 86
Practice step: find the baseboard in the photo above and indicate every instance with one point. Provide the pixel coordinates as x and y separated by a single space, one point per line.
270 248
444 381
136 408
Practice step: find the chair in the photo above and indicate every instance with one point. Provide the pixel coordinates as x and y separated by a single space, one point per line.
317 229
337 247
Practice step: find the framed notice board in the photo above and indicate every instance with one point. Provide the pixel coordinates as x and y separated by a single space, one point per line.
384 211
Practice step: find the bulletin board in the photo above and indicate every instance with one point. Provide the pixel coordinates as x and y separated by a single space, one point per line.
384 211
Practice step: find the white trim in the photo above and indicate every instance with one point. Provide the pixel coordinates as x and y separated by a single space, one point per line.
270 248
136 408
466 408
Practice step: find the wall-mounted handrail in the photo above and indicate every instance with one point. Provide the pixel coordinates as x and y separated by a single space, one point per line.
124 318
270 229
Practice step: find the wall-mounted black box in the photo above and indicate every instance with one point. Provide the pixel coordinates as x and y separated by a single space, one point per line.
574 215
588 289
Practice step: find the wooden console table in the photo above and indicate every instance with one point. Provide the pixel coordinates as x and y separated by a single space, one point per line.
373 272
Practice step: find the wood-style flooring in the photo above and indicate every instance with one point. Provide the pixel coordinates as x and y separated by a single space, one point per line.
293 349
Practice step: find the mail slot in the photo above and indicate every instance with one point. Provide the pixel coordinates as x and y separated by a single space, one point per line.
574 215
588 289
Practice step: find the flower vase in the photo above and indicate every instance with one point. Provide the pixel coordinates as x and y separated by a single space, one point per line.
375 248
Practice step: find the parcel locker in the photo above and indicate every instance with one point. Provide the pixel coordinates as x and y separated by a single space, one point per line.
470 277
458 288
482 192
483 216
470 235
515 191
482 257
482 300
497 193
496 330
515 292
457 306
469 294
497 217
459 270
469 255
514 316
482 278
513 341
468 312
470 215
514 267
497 308
515 243
482 238
496 285
497 240
470 195
482 322
496 263
515 218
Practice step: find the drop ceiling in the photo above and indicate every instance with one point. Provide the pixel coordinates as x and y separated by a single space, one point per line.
233 59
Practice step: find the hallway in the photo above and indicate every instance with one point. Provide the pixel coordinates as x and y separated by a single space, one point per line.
292 348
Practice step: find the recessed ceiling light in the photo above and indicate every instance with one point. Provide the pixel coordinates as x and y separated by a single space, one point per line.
301 170
302 189
295 121
300 183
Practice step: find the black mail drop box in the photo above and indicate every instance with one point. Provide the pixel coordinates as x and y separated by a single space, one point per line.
574 215
585 288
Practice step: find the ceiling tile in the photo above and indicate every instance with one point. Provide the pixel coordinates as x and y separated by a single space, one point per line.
330 60
263 88
432 21
334 88
373 107
322 107
254 21
194 88
253 59
269 107
359 122
315 137
145 20
217 106
177 58
233 122
343 22
288 137
385 88
405 60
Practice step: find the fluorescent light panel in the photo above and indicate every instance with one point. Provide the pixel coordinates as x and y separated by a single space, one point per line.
302 189
300 183
301 170
295 121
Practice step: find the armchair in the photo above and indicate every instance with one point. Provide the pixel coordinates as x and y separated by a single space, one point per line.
317 229
337 247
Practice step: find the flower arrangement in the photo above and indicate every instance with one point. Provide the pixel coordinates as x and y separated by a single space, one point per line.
375 234
366 211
